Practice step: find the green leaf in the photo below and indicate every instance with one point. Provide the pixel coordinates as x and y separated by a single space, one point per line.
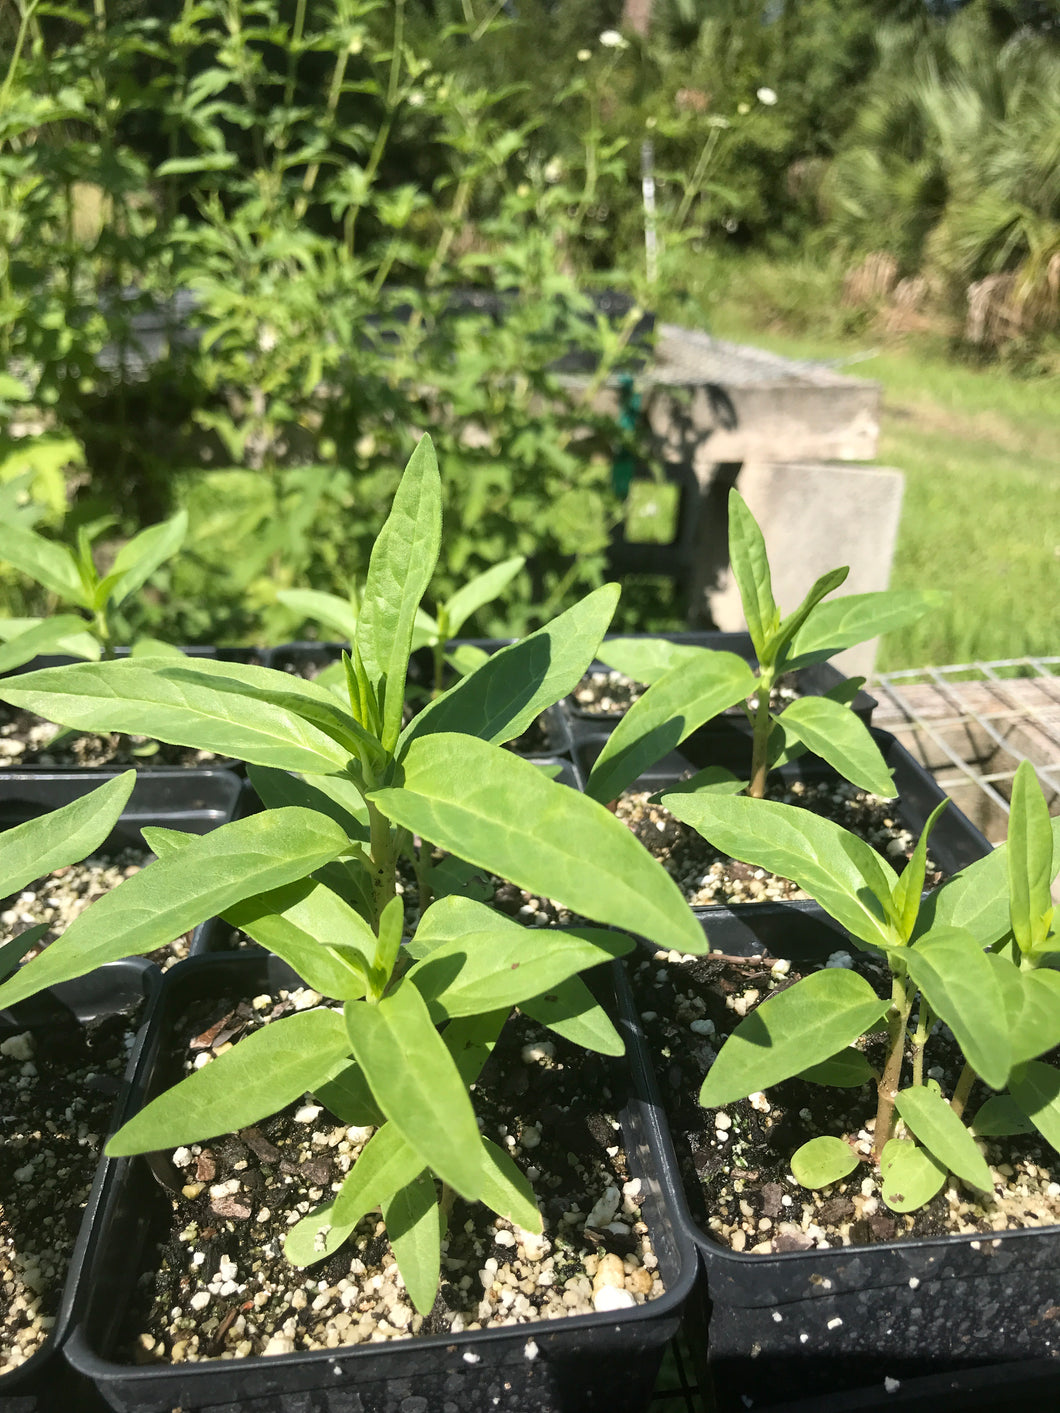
349 1098
266 1070
414 1227
499 700
506 1190
910 1176
855 618
849 1069
65 836
302 923
391 926
844 874
943 1134
459 793
11 953
958 981
1000 1117
50 636
711 778
750 568
791 1030
977 898
479 591
137 560
399 571
910 885
174 894
334 613
1030 861
1032 1007
470 1041
417 1085
254 713
316 1236
1035 1087
823 1161
684 698
571 1010
646 659
73 641
49 563
789 626
835 734
332 795
486 971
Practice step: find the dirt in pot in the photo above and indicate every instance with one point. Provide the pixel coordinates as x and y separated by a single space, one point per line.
221 1288
735 1161
61 896
26 739
58 1084
456 876
706 876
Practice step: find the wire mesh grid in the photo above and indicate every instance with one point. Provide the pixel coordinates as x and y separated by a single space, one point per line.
972 723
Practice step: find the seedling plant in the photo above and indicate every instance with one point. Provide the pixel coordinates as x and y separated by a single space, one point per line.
348 791
976 955
690 685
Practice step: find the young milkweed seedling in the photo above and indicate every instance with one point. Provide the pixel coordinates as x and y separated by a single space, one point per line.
689 685
313 877
973 955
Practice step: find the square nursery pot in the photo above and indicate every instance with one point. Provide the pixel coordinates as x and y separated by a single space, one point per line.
953 1322
805 682
57 1018
603 1360
145 764
955 841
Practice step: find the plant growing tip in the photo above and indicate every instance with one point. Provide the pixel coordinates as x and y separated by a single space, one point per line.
1000 1004
348 795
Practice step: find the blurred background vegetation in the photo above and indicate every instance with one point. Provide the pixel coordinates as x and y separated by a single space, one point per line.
250 249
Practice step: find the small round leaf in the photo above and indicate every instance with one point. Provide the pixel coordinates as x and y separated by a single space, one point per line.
823 1161
911 1176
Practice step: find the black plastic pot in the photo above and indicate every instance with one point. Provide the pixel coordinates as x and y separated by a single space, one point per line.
587 1362
926 1324
955 841
810 681
45 1382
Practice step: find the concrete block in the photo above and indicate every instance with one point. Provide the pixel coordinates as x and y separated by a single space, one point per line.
814 516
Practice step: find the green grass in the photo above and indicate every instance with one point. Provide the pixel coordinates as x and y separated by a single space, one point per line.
980 449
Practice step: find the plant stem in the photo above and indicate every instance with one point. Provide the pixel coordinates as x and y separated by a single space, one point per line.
384 862
763 725
888 1083
924 1021
965 1081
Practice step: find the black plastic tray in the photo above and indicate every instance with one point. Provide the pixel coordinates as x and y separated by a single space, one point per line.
45 1381
589 1362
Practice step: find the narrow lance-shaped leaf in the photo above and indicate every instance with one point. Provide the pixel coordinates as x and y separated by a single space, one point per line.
414 1228
646 659
416 1084
500 699
842 739
855 618
1035 1087
910 884
266 1070
506 1191
957 979
337 614
458 793
1030 861
843 873
789 626
399 571
174 894
65 836
253 713
333 795
684 698
137 560
50 636
791 1030
750 567
48 562
942 1133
